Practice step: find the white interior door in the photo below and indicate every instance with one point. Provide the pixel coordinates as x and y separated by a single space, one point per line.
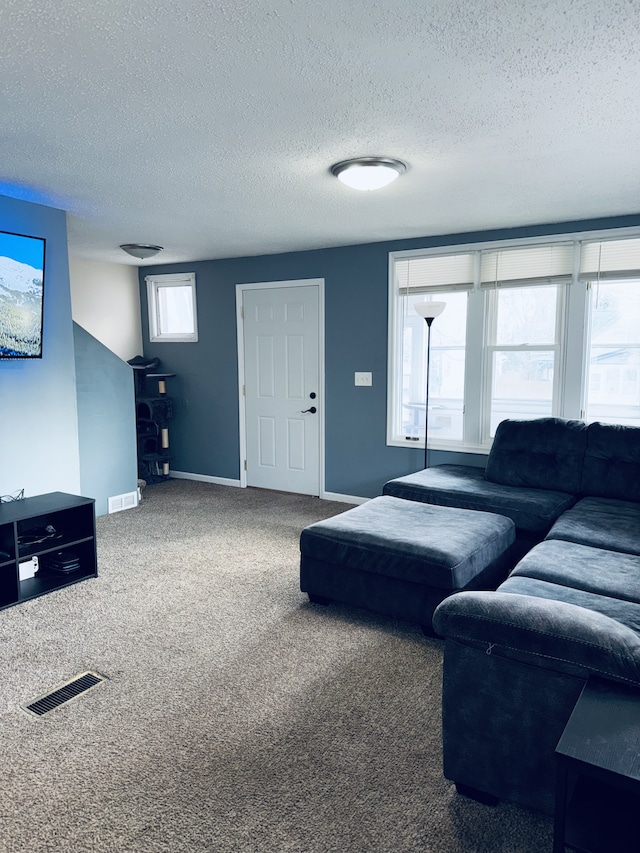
282 378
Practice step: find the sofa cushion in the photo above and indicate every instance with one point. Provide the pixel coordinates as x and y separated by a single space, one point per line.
602 523
625 613
466 487
526 620
570 568
612 462
544 453
439 546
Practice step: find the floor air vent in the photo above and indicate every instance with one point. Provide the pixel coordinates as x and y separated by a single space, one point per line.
71 689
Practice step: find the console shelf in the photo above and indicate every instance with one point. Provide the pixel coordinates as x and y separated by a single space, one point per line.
42 527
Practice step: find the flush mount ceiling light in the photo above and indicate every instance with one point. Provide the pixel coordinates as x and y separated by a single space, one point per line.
141 250
368 173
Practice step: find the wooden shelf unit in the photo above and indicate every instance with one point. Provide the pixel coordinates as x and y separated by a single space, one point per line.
22 521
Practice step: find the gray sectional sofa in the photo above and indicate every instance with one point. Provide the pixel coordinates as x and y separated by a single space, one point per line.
533 474
517 658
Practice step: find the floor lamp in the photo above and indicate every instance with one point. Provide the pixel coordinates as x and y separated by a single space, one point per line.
428 311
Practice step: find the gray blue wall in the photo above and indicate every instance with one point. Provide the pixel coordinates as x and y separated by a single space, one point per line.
58 434
39 433
106 421
204 435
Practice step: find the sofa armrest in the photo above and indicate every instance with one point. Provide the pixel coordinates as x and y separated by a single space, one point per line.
553 634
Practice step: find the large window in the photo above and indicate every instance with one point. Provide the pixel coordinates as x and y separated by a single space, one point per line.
525 297
447 278
612 272
540 328
446 370
522 353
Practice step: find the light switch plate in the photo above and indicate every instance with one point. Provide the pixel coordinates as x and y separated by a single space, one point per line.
363 379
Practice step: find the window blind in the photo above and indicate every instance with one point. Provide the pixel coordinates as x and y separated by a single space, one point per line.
610 259
530 266
439 272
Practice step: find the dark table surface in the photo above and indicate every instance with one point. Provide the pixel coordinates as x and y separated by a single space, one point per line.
604 728
598 794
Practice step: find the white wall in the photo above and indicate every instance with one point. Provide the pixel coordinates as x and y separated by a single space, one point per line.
105 301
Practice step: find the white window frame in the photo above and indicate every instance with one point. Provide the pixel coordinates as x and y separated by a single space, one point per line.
592 288
557 347
573 320
394 353
154 283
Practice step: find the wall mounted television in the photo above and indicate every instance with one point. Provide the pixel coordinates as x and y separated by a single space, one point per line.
21 295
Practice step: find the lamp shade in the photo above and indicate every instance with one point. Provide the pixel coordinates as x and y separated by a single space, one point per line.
430 310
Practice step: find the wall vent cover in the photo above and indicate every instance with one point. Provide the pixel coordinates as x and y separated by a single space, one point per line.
71 689
120 502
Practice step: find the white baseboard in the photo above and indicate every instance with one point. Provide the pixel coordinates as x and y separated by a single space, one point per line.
204 478
223 481
345 499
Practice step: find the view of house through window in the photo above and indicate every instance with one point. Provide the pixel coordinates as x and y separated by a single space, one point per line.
522 352
447 362
613 386
529 330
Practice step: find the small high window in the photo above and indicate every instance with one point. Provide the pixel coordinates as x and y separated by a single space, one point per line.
172 308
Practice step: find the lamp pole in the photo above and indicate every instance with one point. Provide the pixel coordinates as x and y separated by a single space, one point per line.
428 311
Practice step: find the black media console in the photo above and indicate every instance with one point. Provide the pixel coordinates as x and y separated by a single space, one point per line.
60 530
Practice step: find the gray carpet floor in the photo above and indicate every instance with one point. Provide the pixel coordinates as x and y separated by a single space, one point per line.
234 716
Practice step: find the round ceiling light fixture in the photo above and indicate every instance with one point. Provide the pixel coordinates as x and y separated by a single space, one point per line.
368 173
141 250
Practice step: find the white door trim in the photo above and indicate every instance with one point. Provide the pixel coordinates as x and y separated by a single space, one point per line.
263 285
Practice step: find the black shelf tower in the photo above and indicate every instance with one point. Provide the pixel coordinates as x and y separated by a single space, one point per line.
154 411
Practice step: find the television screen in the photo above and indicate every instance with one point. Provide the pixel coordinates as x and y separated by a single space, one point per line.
21 295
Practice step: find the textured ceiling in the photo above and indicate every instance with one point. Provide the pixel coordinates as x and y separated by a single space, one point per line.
209 127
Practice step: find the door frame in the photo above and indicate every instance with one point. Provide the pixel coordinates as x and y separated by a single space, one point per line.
272 285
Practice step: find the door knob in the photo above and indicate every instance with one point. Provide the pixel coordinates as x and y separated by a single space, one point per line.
313 410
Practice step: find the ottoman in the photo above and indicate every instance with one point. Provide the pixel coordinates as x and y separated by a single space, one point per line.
402 558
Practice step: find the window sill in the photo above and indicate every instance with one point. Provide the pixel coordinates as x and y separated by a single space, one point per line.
450 447
177 339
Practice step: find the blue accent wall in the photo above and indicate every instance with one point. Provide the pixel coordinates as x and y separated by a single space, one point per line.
205 432
106 421
39 446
